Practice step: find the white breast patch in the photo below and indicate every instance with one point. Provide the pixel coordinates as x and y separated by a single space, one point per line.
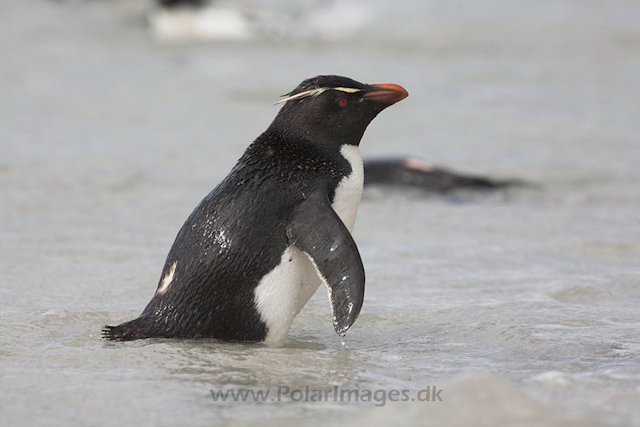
349 191
286 289
283 292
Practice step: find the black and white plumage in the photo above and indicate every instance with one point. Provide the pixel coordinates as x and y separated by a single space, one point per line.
257 247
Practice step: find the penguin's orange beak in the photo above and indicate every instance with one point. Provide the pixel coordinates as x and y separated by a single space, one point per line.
387 93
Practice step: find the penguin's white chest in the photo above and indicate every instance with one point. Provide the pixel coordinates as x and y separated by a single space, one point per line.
285 290
349 191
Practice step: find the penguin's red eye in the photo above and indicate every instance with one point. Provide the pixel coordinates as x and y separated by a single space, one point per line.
343 102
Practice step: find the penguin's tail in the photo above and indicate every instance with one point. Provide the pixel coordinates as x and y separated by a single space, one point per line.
133 330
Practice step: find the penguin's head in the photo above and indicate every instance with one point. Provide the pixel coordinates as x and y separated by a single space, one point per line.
334 109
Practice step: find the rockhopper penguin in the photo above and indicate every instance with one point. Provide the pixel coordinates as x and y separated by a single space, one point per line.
257 247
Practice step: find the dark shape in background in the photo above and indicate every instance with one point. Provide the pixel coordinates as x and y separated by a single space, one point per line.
412 172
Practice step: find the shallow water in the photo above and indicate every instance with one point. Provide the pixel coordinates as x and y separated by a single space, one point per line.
521 306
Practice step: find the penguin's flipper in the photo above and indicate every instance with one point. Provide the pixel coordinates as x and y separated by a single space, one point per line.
317 230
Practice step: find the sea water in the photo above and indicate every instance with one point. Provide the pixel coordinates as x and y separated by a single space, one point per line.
521 307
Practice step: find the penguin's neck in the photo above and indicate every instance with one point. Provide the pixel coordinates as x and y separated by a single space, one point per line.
316 132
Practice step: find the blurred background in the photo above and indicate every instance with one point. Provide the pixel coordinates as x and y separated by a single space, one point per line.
117 117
